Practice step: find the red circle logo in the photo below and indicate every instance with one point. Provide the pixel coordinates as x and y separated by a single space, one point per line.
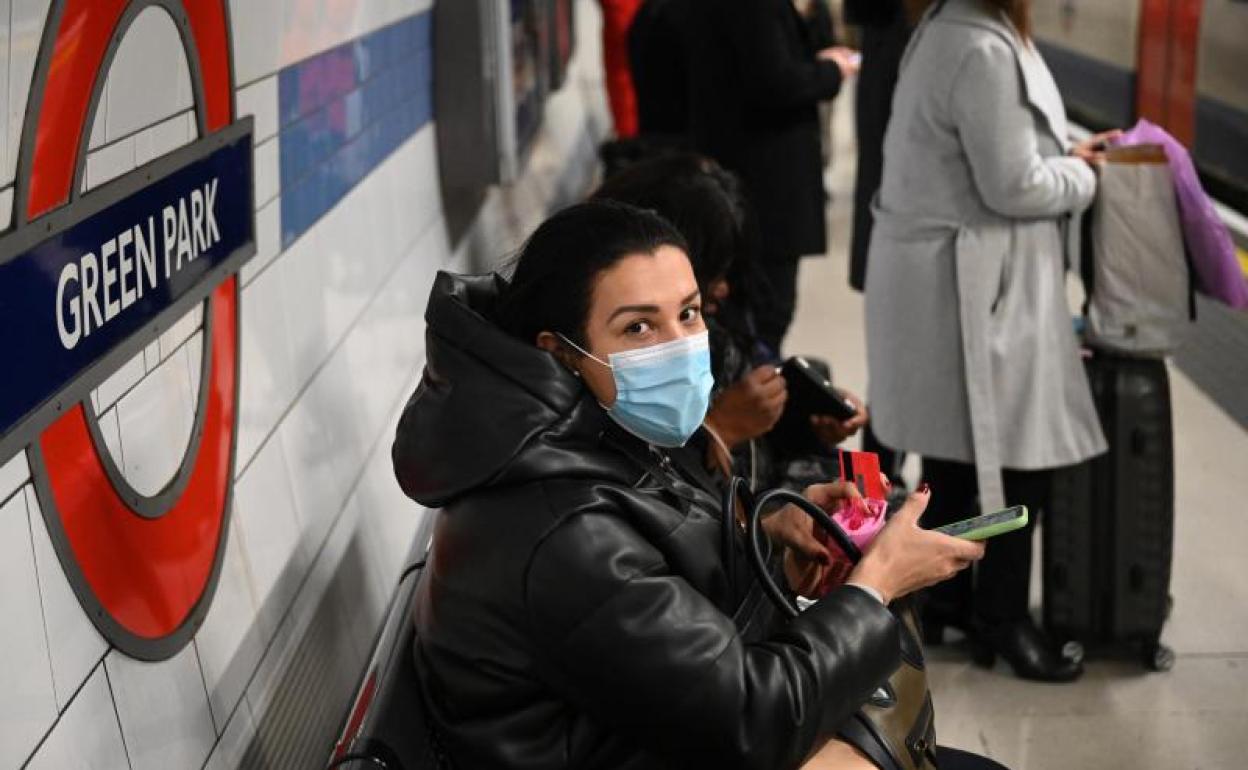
144 567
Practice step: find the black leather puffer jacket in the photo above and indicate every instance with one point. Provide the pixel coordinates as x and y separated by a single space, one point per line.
576 612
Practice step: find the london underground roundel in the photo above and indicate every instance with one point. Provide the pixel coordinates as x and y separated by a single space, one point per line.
87 280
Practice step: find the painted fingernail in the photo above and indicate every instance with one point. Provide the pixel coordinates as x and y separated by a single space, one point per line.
924 488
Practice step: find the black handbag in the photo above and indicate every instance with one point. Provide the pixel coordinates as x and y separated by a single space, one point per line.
896 727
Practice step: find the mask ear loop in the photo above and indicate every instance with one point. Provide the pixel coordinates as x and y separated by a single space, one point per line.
583 351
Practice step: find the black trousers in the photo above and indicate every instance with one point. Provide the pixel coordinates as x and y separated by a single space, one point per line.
774 315
997 590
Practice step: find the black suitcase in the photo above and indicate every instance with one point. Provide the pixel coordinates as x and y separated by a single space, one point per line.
1109 532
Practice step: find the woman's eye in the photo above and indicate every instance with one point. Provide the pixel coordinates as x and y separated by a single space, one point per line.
690 313
637 327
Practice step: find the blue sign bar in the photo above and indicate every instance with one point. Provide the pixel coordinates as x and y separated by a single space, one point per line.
93 284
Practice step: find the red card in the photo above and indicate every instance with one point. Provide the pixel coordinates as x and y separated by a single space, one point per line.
863 468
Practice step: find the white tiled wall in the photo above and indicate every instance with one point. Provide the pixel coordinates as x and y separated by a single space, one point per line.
13 474
230 642
28 707
26 20
88 736
163 709
141 93
155 420
331 346
74 646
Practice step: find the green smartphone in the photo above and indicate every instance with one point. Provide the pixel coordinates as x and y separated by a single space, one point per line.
988 525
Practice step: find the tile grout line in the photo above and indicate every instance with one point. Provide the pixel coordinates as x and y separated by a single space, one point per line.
112 696
21 487
203 680
181 114
52 728
43 612
113 404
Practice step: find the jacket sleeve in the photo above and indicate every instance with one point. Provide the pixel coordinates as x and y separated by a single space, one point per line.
637 648
997 130
774 75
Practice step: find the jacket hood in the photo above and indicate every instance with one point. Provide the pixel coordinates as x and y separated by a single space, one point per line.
492 410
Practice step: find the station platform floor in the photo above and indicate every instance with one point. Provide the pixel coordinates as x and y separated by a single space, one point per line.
1119 715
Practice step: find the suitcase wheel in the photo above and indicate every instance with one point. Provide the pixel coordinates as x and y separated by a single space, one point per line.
1158 657
1073 651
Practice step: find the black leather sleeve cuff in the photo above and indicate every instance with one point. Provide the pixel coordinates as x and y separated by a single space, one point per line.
856 643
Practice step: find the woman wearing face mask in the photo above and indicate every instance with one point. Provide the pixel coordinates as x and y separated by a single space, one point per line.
575 611
708 206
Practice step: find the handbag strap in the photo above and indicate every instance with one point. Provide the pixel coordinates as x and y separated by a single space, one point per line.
754 519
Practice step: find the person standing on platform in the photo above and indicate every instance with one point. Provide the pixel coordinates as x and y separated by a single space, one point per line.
822 31
756 81
617 17
656 55
972 359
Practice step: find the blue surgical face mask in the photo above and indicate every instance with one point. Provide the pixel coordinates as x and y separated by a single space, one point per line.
662 392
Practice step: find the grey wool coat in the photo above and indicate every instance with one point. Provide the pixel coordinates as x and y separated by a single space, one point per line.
970 345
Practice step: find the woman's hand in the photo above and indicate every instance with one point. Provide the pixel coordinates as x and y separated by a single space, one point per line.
847 59
1093 148
832 431
750 407
806 558
904 557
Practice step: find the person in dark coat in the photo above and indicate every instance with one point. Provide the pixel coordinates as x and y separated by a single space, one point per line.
656 54
756 81
576 610
885 30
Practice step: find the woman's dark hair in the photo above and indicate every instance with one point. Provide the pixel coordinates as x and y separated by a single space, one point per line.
705 202
1019 12
559 265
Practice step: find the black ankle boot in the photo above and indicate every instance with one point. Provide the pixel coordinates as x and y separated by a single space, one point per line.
1026 649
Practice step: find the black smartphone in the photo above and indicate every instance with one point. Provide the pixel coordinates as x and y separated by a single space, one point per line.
812 393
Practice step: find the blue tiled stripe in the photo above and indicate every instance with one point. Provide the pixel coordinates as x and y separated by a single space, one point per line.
345 110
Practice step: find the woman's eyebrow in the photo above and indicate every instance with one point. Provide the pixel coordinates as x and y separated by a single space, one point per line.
647 308
632 309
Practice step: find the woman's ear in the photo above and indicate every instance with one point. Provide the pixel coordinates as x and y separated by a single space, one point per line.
552 344
548 342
